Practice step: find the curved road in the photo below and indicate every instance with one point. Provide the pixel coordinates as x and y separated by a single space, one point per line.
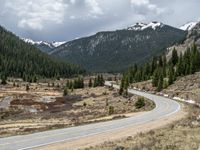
164 107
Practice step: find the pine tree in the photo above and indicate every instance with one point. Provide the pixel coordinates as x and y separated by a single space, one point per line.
4 80
165 84
180 66
171 75
65 92
126 85
160 83
101 80
95 82
90 83
121 90
153 64
27 87
160 61
155 78
174 58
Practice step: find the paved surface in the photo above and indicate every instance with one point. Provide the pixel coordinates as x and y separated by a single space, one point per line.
164 107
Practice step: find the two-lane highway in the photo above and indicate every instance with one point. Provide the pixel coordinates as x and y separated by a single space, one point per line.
164 107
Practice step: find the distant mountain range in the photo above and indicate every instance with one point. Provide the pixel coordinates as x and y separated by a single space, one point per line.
46 47
115 51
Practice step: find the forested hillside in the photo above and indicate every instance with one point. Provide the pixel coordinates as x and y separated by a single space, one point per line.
19 59
162 72
115 51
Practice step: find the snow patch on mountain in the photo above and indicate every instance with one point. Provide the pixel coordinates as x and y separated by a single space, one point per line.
143 26
56 44
49 44
188 26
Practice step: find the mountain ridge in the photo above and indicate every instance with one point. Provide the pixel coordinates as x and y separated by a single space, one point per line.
44 46
189 26
113 51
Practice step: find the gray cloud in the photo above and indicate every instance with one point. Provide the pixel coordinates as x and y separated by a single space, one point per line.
67 19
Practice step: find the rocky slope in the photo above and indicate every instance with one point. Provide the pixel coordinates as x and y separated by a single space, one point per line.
193 36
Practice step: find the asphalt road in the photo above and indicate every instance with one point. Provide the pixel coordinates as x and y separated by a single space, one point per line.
164 107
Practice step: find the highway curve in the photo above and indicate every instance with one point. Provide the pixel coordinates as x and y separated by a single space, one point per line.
164 107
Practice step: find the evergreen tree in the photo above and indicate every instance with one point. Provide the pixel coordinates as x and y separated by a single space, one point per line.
180 66
27 87
3 80
90 83
160 83
121 89
126 85
160 61
65 92
174 58
95 82
155 78
171 75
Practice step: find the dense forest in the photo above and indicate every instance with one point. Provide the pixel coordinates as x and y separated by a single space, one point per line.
19 59
162 72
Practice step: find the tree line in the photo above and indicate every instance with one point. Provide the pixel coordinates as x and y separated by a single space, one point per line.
78 83
162 72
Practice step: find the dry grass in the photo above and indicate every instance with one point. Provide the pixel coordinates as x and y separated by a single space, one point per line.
187 87
182 135
82 107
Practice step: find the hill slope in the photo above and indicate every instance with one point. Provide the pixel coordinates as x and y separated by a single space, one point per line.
117 50
20 59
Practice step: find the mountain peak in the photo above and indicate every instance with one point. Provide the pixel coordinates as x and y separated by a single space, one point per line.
50 44
188 26
43 45
142 26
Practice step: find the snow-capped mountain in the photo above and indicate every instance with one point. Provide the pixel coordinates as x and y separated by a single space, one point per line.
44 46
143 26
115 51
188 26
56 44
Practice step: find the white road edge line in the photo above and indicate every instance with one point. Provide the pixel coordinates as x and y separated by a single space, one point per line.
67 140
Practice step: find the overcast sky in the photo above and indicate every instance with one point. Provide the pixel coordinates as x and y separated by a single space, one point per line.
64 20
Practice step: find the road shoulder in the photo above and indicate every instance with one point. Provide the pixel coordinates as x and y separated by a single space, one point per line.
117 134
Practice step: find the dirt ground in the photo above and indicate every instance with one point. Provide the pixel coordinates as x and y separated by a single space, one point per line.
187 87
103 140
43 107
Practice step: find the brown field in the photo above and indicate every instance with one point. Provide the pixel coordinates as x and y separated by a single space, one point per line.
43 107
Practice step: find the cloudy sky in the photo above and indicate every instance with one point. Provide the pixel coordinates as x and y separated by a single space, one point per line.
64 20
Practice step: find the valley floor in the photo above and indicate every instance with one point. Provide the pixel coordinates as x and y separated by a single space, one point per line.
43 107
